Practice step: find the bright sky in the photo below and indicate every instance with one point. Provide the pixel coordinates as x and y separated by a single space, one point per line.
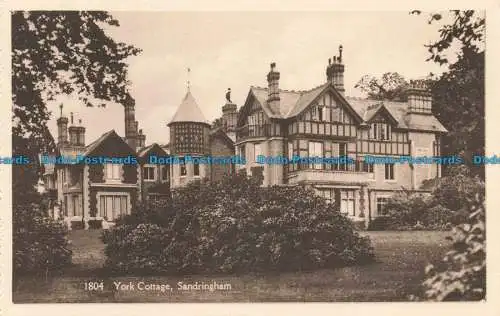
234 49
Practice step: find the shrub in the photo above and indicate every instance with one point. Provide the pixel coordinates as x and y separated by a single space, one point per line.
453 192
414 212
39 243
237 226
437 217
462 274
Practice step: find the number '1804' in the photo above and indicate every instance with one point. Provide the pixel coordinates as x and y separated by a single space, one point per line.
94 286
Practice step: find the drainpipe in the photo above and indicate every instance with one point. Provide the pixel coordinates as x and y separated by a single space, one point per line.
369 205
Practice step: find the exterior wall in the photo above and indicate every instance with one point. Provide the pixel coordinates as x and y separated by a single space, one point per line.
219 148
158 185
422 145
274 173
177 180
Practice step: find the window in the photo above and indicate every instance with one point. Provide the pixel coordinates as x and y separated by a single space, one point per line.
328 194
314 113
257 150
380 131
113 206
183 169
389 171
164 173
290 150
339 150
322 113
196 169
149 173
366 167
316 150
76 209
242 151
113 172
381 203
347 202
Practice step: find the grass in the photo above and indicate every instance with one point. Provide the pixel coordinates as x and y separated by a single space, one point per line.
398 272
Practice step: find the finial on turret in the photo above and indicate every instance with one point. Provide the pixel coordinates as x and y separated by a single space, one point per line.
188 82
60 108
273 65
71 115
80 122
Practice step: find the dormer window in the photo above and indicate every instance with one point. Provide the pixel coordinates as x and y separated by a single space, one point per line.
380 131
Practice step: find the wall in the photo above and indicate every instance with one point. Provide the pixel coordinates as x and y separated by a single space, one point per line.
220 148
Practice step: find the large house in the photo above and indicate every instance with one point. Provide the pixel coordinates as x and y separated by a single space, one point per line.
324 122
319 122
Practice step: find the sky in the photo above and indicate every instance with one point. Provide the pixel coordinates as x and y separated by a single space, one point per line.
234 49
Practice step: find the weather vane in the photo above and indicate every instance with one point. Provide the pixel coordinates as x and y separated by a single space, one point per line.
188 82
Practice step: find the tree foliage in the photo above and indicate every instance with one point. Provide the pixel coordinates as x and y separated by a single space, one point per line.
461 276
62 52
459 92
391 86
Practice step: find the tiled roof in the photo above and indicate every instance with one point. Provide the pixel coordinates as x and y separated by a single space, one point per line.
188 111
90 147
292 103
143 152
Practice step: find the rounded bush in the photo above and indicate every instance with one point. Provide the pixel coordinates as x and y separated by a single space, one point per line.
237 226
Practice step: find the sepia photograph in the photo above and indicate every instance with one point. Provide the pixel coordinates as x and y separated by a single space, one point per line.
248 157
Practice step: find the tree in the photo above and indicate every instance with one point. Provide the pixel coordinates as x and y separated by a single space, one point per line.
60 52
391 86
459 92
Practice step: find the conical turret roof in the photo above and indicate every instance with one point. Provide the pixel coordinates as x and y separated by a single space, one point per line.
188 111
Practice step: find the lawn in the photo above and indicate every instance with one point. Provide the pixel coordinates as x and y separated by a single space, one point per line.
398 272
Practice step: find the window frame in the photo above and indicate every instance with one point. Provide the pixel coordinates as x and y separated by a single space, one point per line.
388 172
381 201
316 166
347 196
256 152
111 169
146 175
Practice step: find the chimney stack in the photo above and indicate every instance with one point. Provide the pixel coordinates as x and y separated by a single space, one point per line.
141 139
335 72
62 128
130 123
273 98
73 132
419 97
81 134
